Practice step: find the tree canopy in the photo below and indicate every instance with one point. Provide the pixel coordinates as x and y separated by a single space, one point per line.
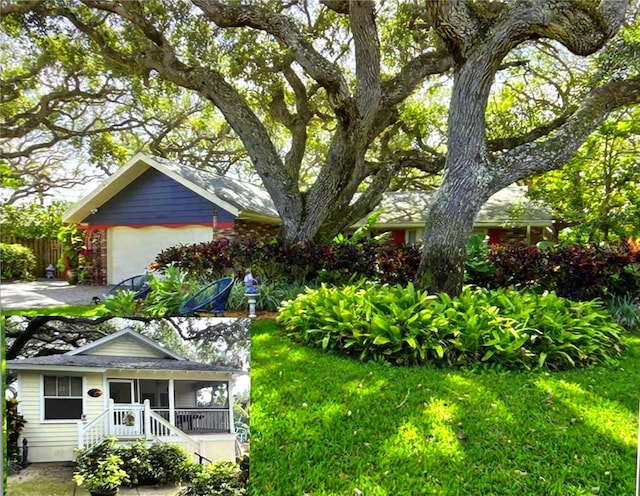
328 98
596 196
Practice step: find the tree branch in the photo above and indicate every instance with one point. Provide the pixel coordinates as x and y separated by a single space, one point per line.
554 152
510 142
327 74
367 54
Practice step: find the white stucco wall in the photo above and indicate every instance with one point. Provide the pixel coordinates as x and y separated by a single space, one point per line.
130 250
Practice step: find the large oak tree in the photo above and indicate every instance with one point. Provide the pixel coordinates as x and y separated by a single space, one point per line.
319 90
474 169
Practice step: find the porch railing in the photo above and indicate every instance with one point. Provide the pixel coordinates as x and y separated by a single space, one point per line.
198 420
126 420
140 421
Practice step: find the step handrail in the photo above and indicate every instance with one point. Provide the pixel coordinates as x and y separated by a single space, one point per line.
173 430
85 427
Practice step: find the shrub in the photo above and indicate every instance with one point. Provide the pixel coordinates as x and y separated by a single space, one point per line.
99 467
478 267
273 259
167 295
169 292
170 462
398 264
122 304
625 310
407 326
208 258
576 272
157 464
137 464
18 262
216 479
15 425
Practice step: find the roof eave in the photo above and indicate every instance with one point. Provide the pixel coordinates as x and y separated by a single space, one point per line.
54 368
419 225
124 176
257 217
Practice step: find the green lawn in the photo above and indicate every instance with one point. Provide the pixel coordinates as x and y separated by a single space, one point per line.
44 487
322 424
65 310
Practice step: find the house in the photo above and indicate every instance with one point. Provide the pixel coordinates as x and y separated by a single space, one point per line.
127 386
153 203
507 217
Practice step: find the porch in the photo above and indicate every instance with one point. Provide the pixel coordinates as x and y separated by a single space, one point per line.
207 429
195 414
194 407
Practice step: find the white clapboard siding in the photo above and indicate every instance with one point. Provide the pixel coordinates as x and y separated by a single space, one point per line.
125 346
50 441
185 395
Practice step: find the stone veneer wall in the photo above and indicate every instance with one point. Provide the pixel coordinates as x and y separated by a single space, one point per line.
247 230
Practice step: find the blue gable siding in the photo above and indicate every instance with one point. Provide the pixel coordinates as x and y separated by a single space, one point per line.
154 198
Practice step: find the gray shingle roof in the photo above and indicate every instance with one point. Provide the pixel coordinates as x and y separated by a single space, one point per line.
508 206
407 208
119 362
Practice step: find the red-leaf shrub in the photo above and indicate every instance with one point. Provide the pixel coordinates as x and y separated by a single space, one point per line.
579 272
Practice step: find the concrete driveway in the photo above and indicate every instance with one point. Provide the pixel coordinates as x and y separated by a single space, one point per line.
46 293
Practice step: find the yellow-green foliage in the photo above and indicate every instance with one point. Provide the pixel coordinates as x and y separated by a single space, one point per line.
17 261
406 326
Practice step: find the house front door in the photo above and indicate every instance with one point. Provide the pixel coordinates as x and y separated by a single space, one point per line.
127 410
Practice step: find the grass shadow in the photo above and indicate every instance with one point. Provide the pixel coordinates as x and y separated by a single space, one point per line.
323 424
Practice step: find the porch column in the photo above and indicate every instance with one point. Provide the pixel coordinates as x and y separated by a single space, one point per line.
172 403
109 423
80 434
231 383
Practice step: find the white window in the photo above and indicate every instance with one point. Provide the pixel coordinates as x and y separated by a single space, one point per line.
413 236
62 397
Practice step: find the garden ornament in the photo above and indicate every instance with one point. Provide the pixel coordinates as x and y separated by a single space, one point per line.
250 282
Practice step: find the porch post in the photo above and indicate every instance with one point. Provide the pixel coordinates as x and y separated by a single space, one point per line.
80 434
172 403
147 420
231 383
109 423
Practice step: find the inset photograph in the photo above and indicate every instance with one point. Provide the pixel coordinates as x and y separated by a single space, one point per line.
108 403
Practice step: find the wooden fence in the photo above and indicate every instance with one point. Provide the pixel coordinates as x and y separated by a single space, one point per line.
47 251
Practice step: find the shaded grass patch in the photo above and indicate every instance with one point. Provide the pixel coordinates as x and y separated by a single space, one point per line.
323 424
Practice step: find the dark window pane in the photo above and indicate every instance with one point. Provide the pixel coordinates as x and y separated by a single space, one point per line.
62 409
76 386
50 383
63 386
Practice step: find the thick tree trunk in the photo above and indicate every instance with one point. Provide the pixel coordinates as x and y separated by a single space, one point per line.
448 227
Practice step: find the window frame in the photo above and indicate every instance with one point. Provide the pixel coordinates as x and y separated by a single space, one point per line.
43 397
417 234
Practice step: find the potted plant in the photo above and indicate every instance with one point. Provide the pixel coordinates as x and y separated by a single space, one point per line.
72 243
99 470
